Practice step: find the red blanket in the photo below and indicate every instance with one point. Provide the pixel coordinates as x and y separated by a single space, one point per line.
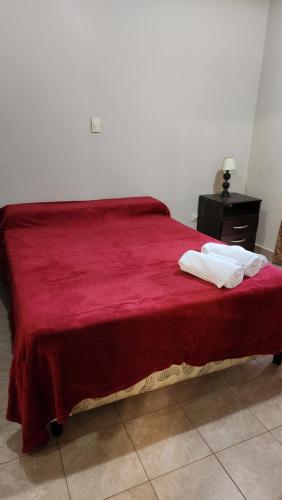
99 302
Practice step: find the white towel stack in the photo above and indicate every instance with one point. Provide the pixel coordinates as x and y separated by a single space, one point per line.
219 271
251 262
222 265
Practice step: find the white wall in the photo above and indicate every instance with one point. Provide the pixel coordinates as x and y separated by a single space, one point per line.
175 82
265 169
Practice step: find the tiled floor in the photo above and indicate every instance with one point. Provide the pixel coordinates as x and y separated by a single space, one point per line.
215 437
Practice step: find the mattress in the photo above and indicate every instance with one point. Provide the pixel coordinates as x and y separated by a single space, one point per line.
96 284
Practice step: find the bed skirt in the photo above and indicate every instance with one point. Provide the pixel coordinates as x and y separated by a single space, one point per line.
169 376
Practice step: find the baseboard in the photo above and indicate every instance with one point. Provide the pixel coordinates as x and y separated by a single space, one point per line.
264 251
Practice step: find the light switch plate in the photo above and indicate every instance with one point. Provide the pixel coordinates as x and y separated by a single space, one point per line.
96 125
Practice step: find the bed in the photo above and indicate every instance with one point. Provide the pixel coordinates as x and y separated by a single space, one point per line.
101 311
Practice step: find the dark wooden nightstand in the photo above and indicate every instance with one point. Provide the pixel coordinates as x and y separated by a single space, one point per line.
233 219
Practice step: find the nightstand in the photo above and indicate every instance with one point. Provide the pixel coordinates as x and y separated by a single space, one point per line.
233 219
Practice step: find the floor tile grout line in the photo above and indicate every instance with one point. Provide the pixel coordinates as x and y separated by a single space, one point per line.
197 430
251 378
127 433
150 481
240 442
147 412
157 496
55 445
11 460
274 428
139 458
245 403
273 435
21 456
233 481
234 444
181 467
222 389
123 423
247 439
267 431
198 459
267 376
117 410
263 355
68 440
171 392
125 491
63 467
124 426
249 408
227 384
213 454
215 391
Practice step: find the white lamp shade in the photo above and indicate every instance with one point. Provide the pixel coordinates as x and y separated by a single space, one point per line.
229 164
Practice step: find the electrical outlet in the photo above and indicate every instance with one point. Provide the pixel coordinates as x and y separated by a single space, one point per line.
193 217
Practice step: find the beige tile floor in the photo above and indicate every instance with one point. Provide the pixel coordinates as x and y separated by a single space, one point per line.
218 437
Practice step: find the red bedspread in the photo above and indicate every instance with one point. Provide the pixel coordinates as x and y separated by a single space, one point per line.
99 303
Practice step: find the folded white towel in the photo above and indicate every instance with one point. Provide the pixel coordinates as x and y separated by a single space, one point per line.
252 262
223 258
212 268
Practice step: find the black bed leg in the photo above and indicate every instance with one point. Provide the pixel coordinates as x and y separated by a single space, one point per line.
277 359
56 428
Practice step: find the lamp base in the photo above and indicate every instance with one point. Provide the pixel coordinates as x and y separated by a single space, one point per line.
225 193
226 185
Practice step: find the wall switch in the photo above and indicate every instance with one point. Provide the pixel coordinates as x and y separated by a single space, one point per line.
96 125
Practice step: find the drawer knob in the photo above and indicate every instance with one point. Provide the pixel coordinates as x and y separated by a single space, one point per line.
238 241
241 227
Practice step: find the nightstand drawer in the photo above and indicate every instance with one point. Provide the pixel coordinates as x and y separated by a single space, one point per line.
244 240
243 225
